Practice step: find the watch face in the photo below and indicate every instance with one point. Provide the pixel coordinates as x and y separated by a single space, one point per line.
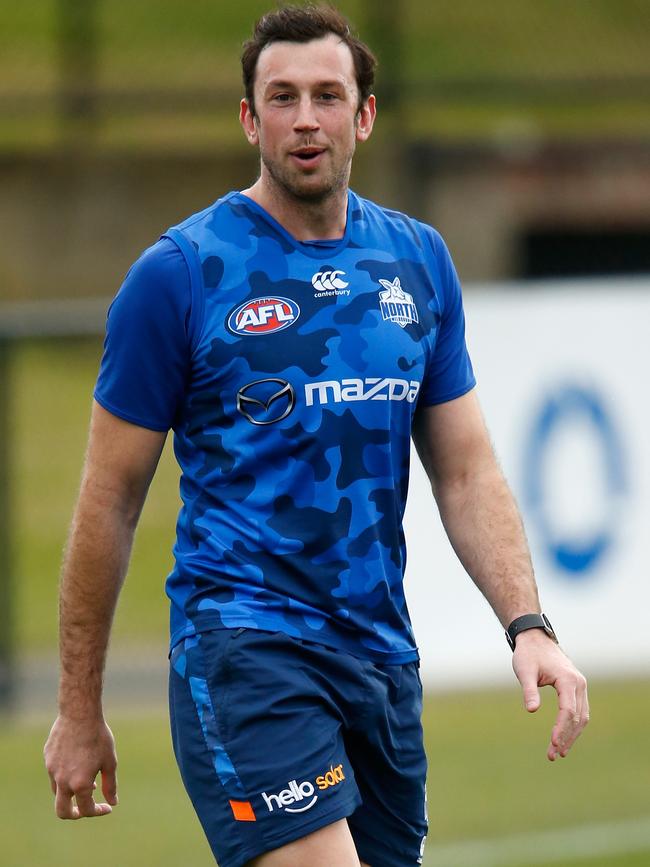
549 629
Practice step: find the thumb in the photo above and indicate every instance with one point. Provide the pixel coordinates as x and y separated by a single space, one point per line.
528 680
532 700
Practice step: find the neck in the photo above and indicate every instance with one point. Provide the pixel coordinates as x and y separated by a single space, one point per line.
306 219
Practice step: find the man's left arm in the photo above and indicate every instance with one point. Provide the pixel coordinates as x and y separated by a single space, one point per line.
483 524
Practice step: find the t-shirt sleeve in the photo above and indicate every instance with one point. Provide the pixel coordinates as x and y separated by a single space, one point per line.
449 372
147 349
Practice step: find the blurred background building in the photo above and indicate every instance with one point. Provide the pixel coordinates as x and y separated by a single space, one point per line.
519 128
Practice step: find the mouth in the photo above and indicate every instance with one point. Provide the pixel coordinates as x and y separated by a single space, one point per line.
308 156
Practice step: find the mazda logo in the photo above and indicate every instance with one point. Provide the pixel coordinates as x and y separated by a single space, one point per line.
266 401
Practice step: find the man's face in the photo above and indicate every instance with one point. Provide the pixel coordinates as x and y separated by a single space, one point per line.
307 120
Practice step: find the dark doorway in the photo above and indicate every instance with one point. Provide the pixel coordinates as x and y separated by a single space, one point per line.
574 252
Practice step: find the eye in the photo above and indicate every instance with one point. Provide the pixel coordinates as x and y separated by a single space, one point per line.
281 97
328 97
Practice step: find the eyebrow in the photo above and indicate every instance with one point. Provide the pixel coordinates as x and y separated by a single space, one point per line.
289 84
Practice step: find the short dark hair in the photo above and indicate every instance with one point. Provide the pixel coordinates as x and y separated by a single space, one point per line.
302 24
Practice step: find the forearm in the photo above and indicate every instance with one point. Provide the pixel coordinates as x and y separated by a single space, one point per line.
93 572
120 463
483 524
482 521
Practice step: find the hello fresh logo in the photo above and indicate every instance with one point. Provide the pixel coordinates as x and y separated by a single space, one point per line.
291 799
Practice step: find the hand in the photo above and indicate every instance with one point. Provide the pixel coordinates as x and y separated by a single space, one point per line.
538 661
75 752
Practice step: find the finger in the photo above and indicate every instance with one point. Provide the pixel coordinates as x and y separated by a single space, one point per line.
85 806
88 808
586 713
63 805
564 730
109 786
583 701
580 718
85 802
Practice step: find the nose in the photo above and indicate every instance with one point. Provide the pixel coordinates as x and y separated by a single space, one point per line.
306 116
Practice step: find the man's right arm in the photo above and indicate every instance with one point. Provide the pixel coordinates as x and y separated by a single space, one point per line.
120 463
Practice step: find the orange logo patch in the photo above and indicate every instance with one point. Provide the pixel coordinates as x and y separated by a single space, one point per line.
242 811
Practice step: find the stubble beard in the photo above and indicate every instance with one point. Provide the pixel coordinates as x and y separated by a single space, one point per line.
289 183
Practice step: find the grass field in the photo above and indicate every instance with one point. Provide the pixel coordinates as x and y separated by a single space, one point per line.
489 778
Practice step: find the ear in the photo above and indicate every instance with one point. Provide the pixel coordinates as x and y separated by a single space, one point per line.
366 118
248 122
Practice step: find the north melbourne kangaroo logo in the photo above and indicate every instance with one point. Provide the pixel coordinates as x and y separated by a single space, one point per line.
396 304
329 283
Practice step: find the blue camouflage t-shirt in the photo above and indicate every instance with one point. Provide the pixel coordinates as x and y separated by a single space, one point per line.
290 373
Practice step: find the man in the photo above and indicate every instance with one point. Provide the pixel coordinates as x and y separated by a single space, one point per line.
294 336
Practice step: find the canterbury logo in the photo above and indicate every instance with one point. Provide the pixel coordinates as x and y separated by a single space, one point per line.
330 282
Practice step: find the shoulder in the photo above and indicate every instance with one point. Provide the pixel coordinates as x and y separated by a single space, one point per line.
156 287
160 270
213 237
223 209
162 262
398 223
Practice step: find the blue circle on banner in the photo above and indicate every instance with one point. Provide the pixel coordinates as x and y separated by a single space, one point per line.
570 405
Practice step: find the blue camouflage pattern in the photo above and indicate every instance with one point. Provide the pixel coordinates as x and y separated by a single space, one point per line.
307 362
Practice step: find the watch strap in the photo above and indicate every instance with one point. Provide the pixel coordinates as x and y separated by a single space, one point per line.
529 621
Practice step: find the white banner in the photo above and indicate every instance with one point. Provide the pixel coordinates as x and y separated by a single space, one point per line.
562 372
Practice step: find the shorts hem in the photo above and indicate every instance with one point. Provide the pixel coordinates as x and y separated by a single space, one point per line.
270 842
378 854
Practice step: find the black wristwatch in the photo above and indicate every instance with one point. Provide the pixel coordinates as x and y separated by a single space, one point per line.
529 621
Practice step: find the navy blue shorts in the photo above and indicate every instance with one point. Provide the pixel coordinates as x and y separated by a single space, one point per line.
276 737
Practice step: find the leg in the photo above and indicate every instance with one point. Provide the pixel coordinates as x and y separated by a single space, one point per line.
324 848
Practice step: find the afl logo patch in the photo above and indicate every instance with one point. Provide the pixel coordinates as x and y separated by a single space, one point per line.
263 316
